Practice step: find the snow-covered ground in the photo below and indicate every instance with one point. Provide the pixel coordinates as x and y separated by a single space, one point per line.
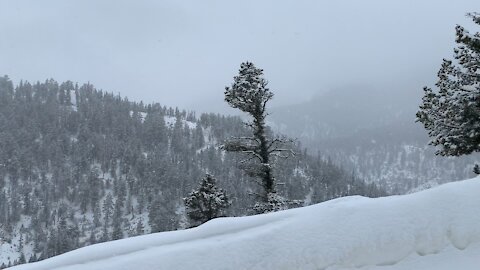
432 229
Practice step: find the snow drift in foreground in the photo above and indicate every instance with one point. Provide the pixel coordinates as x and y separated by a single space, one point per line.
433 229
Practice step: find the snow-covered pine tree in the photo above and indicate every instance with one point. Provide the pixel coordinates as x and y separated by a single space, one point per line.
33 258
207 202
250 94
117 222
139 230
161 215
22 258
274 203
452 113
92 239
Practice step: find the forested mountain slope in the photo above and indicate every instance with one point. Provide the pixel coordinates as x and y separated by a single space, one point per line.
80 166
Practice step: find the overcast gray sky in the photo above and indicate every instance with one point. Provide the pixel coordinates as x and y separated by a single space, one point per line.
185 52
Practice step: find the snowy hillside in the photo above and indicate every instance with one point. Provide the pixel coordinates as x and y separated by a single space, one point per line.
112 169
374 134
433 229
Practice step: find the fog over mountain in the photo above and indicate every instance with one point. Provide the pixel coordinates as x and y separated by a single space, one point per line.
372 133
185 52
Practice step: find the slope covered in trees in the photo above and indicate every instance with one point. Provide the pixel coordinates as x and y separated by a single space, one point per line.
80 166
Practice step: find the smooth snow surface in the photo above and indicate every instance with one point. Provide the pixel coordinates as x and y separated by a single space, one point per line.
433 229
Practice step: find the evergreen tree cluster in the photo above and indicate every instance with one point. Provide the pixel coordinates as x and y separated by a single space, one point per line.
80 166
451 113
